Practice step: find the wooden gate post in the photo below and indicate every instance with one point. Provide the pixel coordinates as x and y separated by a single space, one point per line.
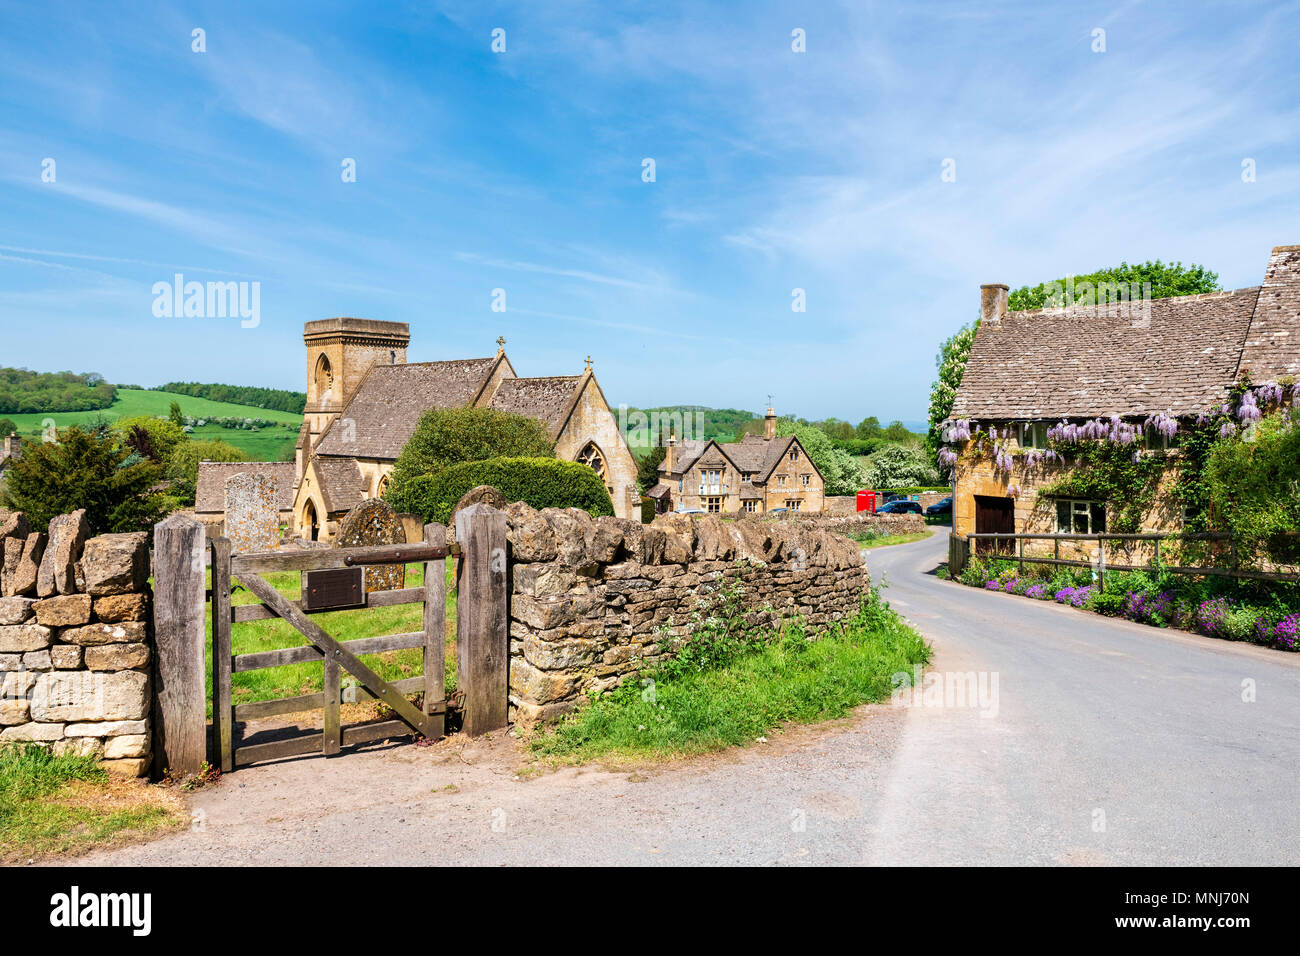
435 630
482 624
180 695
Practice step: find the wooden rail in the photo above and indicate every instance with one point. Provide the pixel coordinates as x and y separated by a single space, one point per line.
963 554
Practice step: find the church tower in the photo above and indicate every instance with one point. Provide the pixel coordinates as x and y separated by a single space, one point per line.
339 353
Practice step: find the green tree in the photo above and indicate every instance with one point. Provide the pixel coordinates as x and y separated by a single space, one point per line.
1166 280
183 466
449 436
7 427
868 428
164 435
91 469
897 431
951 364
899 466
1255 489
838 467
647 470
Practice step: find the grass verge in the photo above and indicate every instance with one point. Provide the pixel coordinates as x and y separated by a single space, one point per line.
51 805
870 539
705 701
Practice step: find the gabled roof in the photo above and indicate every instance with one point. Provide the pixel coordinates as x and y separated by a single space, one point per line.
688 450
1088 361
388 404
548 398
1272 348
752 455
210 490
340 481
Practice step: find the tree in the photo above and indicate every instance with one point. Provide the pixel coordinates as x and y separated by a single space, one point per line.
7 427
951 363
449 436
183 466
1253 489
175 414
899 466
897 431
162 434
91 469
647 470
868 428
838 467
1166 280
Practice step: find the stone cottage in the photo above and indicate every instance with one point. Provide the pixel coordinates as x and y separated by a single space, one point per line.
364 401
751 476
1118 364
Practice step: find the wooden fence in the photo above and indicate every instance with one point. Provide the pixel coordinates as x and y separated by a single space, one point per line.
1011 547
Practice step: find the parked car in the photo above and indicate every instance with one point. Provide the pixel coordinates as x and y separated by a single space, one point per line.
691 511
777 511
900 507
941 507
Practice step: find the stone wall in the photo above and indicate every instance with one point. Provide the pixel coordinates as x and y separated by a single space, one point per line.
858 521
75 641
595 600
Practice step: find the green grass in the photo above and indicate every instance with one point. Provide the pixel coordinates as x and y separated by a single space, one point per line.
270 444
292 680
54 804
871 539
791 679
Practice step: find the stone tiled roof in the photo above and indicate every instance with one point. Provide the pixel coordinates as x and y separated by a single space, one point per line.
688 450
1272 348
341 484
658 490
756 455
1086 361
210 491
749 491
548 398
387 406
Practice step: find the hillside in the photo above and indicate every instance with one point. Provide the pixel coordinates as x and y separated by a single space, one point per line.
267 444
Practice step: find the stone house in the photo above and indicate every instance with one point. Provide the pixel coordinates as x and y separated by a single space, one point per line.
751 476
210 490
1123 363
364 401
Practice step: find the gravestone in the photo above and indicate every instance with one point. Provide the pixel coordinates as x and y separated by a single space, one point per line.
252 518
374 522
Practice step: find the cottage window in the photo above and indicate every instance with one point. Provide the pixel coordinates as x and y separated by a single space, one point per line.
1032 434
713 505
1080 517
804 479
794 454
793 503
1156 441
780 481
751 506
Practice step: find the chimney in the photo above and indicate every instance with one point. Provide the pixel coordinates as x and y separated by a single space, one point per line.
993 302
769 423
13 444
670 454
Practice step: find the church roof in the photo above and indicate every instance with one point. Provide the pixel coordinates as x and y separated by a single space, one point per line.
341 484
210 490
548 398
382 416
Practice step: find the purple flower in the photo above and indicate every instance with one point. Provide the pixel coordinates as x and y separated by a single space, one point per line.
1210 616
1286 634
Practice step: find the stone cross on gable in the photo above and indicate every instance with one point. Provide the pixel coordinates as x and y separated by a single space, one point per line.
501 343
588 363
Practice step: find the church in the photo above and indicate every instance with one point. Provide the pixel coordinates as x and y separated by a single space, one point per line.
364 401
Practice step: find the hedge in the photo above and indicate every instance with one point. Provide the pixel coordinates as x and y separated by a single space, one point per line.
541 482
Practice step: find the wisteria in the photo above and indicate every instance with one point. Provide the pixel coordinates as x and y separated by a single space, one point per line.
957 430
1247 410
1114 430
1163 424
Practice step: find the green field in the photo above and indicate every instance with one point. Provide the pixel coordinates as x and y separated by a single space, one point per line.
267 444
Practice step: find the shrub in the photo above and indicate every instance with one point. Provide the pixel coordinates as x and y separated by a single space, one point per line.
1210 617
450 436
1286 633
1252 484
1104 602
91 469
1076 597
541 482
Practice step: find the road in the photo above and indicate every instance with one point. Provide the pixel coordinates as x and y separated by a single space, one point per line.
1096 742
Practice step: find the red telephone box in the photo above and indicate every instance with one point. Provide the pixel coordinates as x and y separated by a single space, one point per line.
867 501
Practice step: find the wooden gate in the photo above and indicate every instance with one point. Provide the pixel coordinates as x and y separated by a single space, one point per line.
327 585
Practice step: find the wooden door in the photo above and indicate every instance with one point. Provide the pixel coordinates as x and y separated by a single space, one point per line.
995 516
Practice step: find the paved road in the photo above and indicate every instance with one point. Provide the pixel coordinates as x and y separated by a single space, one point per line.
1106 742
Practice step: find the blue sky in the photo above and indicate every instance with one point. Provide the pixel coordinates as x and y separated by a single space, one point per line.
522 171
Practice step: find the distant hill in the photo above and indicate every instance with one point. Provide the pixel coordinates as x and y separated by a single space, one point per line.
24 391
690 421
276 399
268 443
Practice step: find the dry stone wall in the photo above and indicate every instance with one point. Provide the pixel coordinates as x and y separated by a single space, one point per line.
858 521
75 641
594 600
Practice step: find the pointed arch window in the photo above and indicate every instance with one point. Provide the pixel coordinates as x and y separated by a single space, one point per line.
323 378
594 458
